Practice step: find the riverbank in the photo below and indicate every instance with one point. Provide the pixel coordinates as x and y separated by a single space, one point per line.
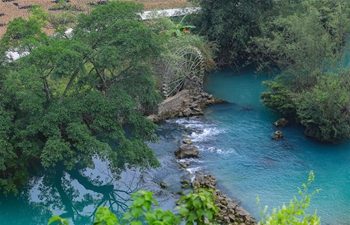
188 105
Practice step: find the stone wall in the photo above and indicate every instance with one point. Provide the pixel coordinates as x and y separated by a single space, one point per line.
173 104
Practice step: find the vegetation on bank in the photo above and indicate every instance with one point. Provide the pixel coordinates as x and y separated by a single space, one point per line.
199 208
74 98
305 42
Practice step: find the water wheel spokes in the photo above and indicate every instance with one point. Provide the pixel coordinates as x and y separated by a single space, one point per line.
186 65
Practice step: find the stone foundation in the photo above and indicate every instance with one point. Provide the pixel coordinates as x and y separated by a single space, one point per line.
184 104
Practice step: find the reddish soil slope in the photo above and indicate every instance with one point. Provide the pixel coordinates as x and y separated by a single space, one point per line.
10 9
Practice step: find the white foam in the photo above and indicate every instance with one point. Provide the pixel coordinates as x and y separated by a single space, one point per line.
190 160
205 134
216 150
193 171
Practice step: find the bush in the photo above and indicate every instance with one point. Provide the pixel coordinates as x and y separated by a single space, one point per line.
324 110
291 214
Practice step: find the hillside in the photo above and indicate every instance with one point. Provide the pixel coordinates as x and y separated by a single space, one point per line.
10 9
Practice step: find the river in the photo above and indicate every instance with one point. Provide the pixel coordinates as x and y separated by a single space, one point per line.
235 146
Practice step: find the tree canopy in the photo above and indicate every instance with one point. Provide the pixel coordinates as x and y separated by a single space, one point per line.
73 99
304 41
308 45
230 24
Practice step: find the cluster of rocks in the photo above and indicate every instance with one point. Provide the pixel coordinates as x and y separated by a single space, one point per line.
279 123
229 210
194 105
184 104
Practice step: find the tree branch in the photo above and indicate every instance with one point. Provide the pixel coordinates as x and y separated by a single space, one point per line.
75 74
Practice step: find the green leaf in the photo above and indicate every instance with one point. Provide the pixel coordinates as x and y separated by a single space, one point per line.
103 214
136 212
58 219
150 217
139 201
136 222
197 203
184 211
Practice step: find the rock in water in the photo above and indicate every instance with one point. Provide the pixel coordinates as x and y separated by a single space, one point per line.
163 184
186 151
281 122
187 141
278 135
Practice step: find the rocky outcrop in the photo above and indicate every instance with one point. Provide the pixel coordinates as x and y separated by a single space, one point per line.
186 151
278 135
229 210
184 104
281 122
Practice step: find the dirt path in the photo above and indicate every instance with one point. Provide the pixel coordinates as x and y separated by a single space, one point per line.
10 9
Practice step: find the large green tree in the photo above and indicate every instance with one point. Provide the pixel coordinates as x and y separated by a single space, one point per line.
230 24
73 99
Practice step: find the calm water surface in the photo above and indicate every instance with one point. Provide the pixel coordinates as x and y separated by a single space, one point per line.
238 150
235 146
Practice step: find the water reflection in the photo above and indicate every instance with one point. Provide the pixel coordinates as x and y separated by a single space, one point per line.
73 194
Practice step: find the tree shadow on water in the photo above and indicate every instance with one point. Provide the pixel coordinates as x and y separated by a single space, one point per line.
73 194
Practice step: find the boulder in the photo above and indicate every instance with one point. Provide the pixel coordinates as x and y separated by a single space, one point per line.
278 135
187 141
184 164
281 122
186 151
163 184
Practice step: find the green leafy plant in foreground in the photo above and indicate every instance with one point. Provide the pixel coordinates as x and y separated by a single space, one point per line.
294 213
195 208
199 208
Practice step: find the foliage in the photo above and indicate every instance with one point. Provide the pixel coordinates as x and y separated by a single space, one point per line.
324 110
198 206
194 208
62 20
180 29
305 41
298 44
231 24
23 35
279 99
173 43
290 214
38 14
71 100
163 25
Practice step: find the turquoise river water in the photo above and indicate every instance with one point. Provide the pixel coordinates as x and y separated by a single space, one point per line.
235 146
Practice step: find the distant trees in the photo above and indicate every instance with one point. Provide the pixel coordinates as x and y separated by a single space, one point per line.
71 100
305 42
230 24
308 45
